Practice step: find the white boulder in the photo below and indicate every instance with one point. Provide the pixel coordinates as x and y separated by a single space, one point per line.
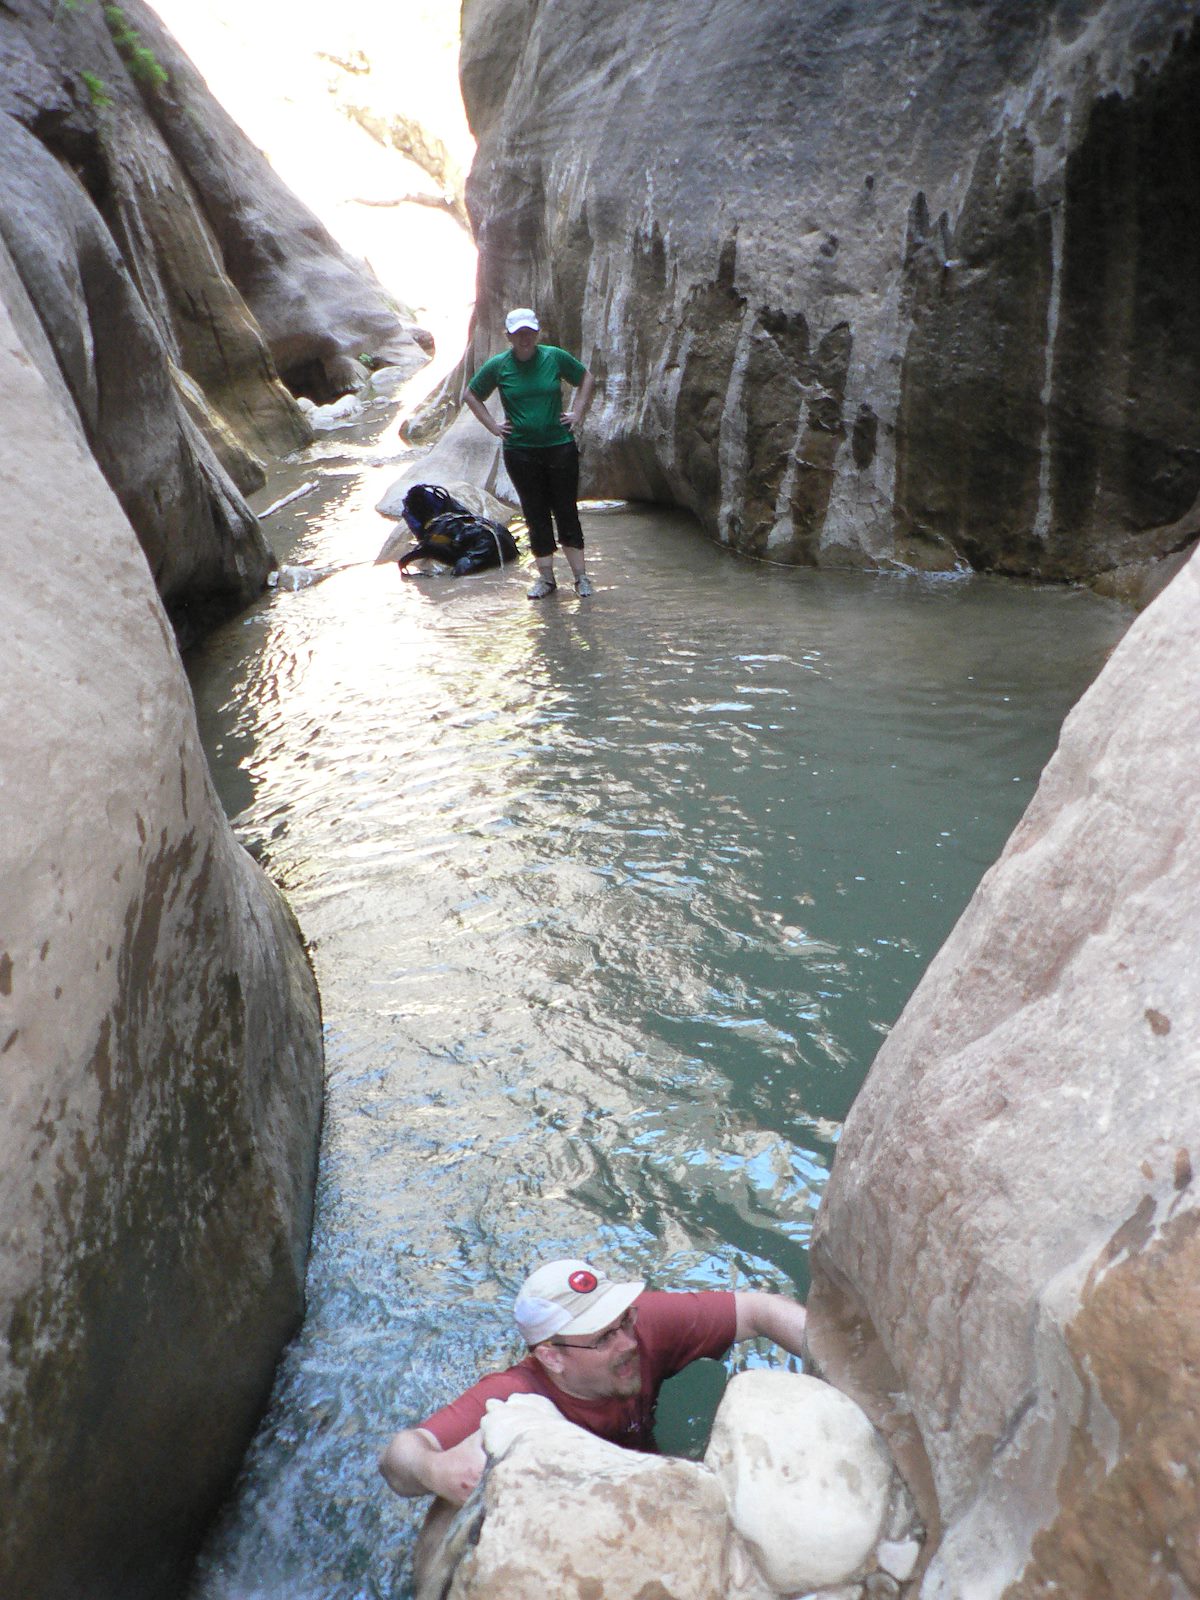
792 1497
805 1474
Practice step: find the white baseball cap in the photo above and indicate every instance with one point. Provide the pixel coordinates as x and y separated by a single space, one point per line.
521 317
570 1297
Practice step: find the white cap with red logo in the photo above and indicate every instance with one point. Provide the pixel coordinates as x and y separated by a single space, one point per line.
570 1297
521 317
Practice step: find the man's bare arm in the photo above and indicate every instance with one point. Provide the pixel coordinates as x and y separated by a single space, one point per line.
414 1463
771 1316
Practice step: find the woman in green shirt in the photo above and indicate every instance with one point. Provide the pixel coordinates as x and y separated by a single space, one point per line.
540 453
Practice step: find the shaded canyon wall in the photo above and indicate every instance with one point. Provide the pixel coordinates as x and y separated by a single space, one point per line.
160 1049
866 284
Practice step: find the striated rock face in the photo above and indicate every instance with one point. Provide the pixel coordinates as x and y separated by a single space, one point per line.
161 1049
1007 1259
175 278
865 284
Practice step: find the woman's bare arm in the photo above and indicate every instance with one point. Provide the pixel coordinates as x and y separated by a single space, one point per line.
475 404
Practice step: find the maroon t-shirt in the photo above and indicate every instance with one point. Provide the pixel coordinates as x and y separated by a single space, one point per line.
672 1331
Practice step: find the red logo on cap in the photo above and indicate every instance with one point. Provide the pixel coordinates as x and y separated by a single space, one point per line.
583 1282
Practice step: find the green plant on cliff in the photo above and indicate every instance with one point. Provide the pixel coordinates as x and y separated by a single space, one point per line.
97 90
143 64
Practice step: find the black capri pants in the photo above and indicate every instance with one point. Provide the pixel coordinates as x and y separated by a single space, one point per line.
547 485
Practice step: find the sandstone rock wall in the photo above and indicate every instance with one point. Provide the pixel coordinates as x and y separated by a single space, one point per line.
1006 1264
318 309
175 278
864 285
160 1044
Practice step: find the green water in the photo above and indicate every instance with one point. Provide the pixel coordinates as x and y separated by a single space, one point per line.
612 903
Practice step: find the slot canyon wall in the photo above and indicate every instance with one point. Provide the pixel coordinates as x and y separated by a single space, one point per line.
186 293
160 1049
864 285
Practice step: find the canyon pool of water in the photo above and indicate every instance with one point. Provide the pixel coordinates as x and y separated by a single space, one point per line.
611 903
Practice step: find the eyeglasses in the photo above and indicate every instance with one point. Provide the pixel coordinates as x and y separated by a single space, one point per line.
605 1340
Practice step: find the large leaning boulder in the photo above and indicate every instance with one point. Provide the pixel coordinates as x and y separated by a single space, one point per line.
465 454
863 284
1006 1263
161 1048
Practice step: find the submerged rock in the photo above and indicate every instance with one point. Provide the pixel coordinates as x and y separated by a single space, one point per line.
293 578
1006 1260
161 1045
863 285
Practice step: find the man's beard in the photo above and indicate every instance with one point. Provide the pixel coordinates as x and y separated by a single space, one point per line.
627 1378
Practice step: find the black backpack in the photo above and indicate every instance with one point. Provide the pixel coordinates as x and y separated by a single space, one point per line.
446 531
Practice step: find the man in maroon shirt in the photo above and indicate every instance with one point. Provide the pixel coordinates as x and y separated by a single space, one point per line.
600 1351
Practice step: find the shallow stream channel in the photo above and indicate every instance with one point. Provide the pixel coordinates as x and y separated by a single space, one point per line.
611 903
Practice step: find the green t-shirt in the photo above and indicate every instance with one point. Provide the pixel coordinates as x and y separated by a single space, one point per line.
531 393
